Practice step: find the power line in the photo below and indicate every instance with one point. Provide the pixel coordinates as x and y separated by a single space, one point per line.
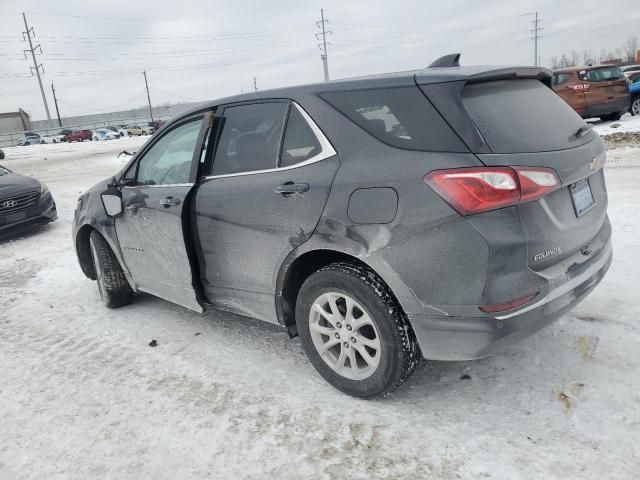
323 46
36 67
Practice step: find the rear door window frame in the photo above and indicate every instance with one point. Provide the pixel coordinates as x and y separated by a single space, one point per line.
326 148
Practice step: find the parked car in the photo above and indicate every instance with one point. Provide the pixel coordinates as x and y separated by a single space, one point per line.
79 136
629 69
594 91
30 138
64 132
332 210
634 90
138 130
121 132
51 138
23 200
105 134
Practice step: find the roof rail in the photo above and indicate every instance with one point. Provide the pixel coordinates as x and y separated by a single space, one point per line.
451 60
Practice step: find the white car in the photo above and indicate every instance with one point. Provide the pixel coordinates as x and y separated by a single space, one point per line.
51 138
122 132
138 130
105 134
629 69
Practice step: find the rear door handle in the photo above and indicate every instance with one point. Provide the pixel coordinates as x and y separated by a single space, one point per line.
289 188
170 202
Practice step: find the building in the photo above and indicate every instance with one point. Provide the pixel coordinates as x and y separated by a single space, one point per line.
15 121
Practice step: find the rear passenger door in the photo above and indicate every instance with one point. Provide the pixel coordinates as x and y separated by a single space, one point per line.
271 175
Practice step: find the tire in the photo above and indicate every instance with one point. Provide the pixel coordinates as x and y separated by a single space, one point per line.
612 117
112 284
376 328
635 106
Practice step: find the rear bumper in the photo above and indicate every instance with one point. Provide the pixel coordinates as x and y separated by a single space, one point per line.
463 338
43 212
615 106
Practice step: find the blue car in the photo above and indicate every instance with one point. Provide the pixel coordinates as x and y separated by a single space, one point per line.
634 90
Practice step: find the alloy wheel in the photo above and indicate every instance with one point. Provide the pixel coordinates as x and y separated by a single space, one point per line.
344 335
635 106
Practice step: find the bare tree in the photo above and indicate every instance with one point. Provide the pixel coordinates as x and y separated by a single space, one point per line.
554 62
587 57
631 49
575 58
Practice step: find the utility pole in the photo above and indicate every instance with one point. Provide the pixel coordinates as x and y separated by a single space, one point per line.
146 84
323 46
55 101
255 85
536 35
36 67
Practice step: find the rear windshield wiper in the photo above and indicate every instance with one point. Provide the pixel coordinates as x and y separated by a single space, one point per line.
582 131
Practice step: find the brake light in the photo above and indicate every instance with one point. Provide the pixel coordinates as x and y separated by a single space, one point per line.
481 189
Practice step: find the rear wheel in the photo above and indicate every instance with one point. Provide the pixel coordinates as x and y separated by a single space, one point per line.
354 332
112 284
635 106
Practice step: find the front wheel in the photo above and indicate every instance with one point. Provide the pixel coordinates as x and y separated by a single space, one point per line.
354 332
635 106
112 284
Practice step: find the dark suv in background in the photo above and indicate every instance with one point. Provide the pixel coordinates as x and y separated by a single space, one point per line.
594 91
443 213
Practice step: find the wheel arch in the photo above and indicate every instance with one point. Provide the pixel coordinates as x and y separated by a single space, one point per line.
83 252
294 272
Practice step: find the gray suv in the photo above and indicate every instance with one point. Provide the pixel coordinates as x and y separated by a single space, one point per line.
442 214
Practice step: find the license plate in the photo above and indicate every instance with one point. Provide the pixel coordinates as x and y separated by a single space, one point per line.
582 197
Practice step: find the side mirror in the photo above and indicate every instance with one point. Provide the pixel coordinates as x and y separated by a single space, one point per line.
112 200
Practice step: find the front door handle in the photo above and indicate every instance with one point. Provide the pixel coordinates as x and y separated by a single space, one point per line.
170 202
289 188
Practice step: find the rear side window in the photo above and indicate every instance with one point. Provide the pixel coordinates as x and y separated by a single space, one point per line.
401 117
602 74
300 143
518 116
561 78
250 139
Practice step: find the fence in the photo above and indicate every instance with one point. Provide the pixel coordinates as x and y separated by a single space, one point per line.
11 139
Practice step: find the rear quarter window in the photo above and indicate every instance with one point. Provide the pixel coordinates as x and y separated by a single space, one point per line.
401 117
522 116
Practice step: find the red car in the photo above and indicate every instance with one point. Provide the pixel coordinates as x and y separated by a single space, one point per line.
78 136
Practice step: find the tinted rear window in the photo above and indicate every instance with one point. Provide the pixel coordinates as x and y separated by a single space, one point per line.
518 116
401 117
602 74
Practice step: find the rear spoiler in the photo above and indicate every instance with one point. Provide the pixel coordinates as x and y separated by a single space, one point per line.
537 73
447 69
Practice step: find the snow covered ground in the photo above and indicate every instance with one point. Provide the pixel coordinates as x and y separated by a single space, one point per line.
626 124
83 395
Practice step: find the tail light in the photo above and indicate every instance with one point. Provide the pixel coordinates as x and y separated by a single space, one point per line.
580 87
481 189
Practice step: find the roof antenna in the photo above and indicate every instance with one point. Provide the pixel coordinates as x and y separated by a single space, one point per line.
451 60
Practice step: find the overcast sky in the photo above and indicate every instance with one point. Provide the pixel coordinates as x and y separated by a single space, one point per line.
95 52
